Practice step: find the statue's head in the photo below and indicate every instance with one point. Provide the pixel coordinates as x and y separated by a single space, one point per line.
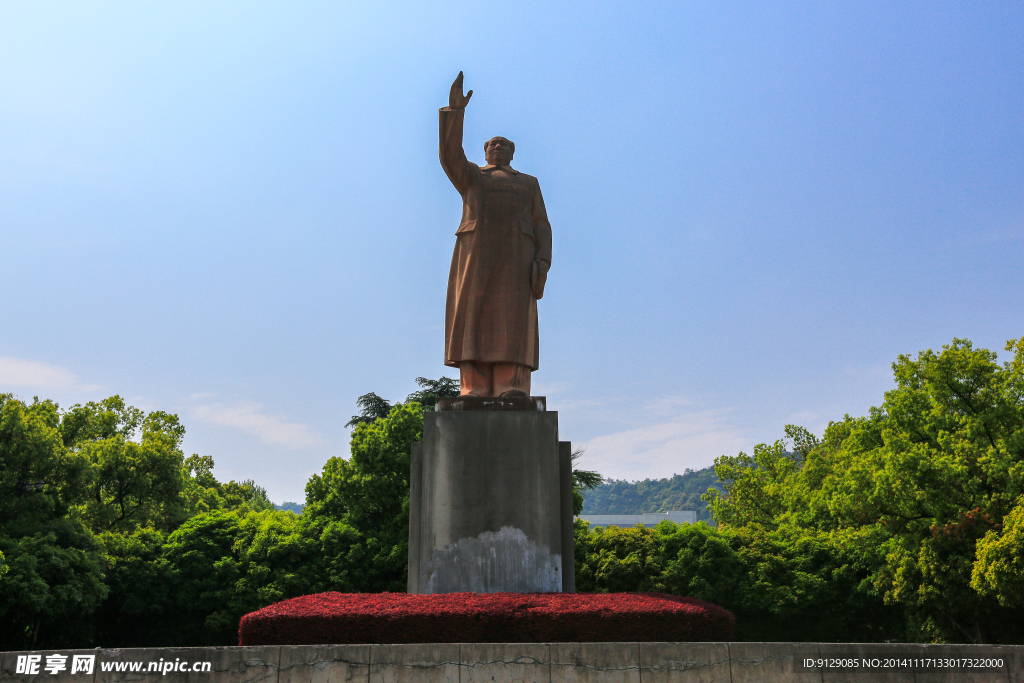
498 151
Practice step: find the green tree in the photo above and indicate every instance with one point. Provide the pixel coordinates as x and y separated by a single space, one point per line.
136 464
203 570
931 473
200 492
139 610
235 557
246 493
371 408
277 561
760 487
582 480
999 569
616 559
52 570
147 573
920 490
433 389
93 548
358 509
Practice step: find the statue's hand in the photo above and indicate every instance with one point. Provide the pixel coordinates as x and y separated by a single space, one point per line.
456 100
538 277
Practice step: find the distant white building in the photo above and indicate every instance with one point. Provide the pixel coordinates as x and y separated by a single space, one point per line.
648 519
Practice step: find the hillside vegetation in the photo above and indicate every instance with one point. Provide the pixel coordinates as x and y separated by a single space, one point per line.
681 492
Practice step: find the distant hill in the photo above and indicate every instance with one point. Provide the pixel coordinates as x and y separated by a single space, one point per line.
681 492
294 507
620 497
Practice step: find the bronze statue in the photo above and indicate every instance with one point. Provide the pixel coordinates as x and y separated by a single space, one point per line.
501 260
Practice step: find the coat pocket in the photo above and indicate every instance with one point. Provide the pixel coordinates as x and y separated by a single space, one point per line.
466 226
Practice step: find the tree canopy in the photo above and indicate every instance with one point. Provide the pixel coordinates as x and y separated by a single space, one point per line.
905 524
372 407
926 489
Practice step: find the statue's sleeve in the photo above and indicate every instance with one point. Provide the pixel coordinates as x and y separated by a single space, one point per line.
541 226
453 159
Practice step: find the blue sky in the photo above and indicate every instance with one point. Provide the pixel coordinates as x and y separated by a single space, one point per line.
235 211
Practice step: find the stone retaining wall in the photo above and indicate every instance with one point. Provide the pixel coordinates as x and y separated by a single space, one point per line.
519 662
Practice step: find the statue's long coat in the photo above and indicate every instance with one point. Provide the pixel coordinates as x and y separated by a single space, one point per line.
491 315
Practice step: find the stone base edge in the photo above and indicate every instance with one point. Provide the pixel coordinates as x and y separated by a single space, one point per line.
547 662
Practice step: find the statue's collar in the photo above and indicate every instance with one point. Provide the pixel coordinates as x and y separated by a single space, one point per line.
492 167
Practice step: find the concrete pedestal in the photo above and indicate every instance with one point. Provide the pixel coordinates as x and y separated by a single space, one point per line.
490 506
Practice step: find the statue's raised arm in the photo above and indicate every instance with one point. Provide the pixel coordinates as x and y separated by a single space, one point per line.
453 159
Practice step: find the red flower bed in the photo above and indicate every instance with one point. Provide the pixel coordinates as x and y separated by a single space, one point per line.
485 618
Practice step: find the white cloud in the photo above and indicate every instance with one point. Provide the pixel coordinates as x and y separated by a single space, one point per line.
690 439
31 374
668 406
270 429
